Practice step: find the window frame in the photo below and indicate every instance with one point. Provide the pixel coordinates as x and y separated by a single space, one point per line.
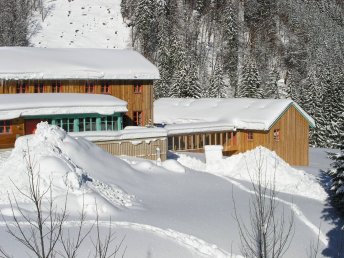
137 88
38 87
105 87
21 87
56 87
138 118
89 87
250 136
277 135
4 125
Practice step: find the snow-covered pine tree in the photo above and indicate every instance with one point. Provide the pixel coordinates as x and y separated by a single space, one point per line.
337 175
192 87
250 85
217 87
15 22
161 87
229 53
292 86
145 22
271 90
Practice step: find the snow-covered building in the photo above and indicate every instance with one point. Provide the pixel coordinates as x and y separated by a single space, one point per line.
236 124
97 117
88 92
124 74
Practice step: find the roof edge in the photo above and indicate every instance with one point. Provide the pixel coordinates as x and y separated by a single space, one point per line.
308 118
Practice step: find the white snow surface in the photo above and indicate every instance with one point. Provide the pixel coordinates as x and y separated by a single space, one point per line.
19 105
244 166
240 113
74 63
163 211
82 23
128 133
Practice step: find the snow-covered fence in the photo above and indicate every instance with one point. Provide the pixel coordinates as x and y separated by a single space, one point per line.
141 148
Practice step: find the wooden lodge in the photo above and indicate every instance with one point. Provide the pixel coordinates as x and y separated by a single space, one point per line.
84 91
124 74
236 124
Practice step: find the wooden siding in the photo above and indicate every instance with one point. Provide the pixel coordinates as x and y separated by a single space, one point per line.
8 140
293 145
145 149
118 88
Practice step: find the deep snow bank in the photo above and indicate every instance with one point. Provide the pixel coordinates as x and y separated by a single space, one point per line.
68 164
244 166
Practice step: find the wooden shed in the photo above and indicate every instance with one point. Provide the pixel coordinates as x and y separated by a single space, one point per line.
236 124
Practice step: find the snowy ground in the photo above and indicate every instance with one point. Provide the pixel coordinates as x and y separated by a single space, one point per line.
82 23
169 210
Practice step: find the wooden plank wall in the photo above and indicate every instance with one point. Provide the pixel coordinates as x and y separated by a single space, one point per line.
144 149
118 88
8 140
293 145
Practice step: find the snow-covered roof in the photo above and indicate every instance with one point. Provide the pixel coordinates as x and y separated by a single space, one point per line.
198 127
128 133
238 113
19 105
74 63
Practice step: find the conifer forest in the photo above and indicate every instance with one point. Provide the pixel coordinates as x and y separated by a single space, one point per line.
254 48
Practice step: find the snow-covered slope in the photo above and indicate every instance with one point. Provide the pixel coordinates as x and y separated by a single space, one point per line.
82 23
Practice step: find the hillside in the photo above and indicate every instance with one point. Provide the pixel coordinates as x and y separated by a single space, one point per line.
81 23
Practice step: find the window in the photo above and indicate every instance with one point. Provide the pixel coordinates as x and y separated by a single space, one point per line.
234 137
170 143
68 124
105 87
137 88
250 136
21 87
90 124
5 127
89 87
39 87
201 141
56 87
109 123
138 118
277 135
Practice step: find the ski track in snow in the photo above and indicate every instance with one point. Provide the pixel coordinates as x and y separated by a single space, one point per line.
297 211
190 242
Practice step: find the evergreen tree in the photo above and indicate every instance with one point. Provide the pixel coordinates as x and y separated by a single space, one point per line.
217 87
15 22
337 175
145 22
161 87
250 87
272 85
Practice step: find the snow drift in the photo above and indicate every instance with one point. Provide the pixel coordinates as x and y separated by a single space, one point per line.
244 166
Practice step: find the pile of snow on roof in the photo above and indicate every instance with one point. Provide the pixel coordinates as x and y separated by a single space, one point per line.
19 63
241 113
244 166
19 105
